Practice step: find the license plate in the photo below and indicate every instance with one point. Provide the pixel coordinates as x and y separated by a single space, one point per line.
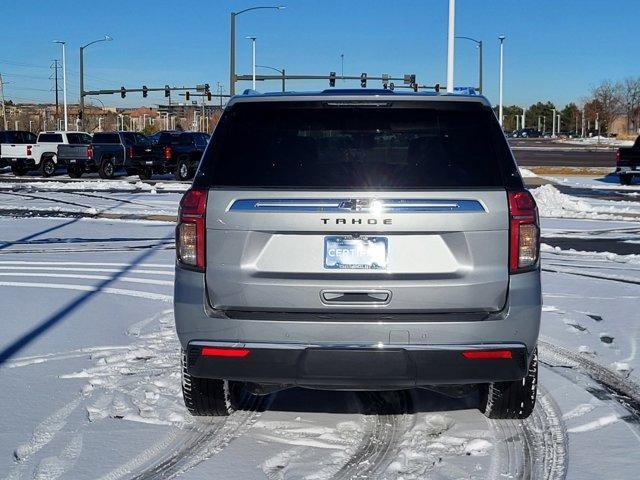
72 161
363 253
149 162
14 159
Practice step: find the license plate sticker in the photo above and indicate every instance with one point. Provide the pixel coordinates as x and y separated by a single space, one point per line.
363 253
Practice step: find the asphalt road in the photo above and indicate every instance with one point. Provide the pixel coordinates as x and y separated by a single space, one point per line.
564 158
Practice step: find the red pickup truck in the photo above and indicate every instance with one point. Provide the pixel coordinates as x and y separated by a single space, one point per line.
628 162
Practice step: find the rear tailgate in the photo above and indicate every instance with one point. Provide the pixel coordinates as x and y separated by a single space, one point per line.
270 252
13 150
337 207
73 152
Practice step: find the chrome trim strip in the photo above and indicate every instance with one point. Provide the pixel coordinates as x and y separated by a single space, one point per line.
355 346
356 205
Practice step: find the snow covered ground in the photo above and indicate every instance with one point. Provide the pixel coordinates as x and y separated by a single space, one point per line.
601 141
90 385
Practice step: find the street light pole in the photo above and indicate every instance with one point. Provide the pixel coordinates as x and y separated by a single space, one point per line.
106 38
232 49
501 38
479 45
253 61
451 45
64 82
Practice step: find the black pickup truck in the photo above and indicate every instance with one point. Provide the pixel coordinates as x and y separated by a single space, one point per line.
628 162
181 151
111 151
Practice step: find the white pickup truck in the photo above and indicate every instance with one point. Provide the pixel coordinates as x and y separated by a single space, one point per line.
41 155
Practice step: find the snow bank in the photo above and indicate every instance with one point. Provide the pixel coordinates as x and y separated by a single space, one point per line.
95 186
525 173
604 141
553 203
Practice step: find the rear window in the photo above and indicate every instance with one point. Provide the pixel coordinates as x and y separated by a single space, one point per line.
106 138
79 138
316 145
50 138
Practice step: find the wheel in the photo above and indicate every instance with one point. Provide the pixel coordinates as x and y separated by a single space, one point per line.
18 171
183 172
511 400
626 179
209 397
74 172
48 167
107 168
145 173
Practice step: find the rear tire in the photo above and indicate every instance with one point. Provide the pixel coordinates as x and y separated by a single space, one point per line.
145 173
626 179
18 171
511 400
48 167
183 172
107 168
74 172
209 397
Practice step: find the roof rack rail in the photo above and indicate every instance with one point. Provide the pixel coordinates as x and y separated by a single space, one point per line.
250 91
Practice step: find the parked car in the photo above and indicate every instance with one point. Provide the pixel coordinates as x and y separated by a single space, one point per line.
129 151
42 155
182 151
358 241
526 133
12 138
628 162
76 155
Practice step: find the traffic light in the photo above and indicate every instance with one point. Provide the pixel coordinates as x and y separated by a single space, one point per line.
145 91
167 91
385 80
186 96
436 87
207 88
209 95
363 80
123 92
415 87
392 86
332 79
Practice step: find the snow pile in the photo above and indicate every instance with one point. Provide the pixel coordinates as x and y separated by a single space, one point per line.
595 141
525 173
553 203
95 186
608 256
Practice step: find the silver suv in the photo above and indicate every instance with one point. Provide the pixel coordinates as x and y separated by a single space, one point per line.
358 240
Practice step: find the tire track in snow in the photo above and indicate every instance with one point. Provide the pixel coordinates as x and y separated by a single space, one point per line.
391 418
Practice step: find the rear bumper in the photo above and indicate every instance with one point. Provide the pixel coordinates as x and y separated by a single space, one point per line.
357 367
29 163
415 350
154 162
84 163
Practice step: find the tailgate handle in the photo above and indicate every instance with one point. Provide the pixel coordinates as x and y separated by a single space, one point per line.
379 297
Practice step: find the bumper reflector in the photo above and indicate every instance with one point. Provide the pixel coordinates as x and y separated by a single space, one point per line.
224 352
486 354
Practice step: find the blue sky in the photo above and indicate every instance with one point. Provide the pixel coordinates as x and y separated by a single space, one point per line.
555 49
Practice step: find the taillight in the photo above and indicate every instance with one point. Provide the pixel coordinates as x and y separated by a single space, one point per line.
130 152
618 157
524 232
168 153
90 152
28 149
190 233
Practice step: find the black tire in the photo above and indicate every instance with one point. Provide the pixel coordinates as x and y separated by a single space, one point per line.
74 172
145 173
107 168
208 397
511 400
47 167
183 171
626 179
18 171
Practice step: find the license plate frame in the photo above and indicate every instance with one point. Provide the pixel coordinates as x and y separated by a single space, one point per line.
367 252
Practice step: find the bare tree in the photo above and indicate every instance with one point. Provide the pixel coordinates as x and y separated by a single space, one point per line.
631 101
608 97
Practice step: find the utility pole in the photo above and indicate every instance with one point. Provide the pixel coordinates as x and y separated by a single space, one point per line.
524 112
55 66
4 108
451 45
553 126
